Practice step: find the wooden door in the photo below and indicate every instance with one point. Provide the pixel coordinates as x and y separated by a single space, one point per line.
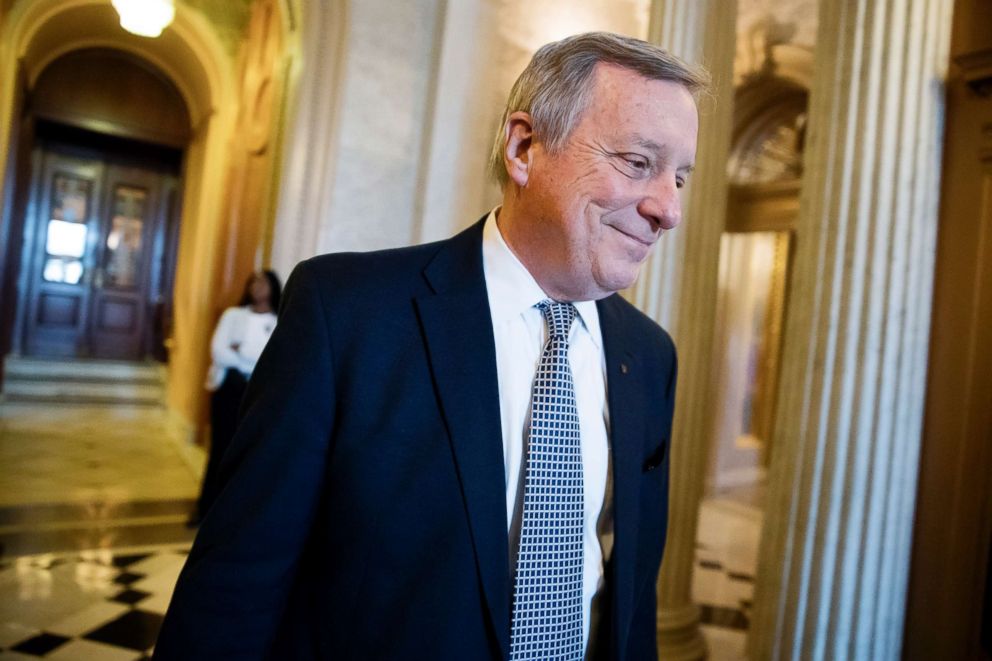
67 223
97 256
123 257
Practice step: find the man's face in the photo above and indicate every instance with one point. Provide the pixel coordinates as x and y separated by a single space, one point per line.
602 201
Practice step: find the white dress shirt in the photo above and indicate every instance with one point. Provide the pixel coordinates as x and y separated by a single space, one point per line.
520 333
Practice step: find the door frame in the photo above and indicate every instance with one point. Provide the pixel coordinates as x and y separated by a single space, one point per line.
15 190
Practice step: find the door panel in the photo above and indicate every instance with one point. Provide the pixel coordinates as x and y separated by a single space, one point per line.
121 283
68 213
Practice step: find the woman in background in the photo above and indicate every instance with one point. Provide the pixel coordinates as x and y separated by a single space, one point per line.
237 343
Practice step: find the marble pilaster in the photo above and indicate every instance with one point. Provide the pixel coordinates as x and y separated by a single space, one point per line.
314 106
834 560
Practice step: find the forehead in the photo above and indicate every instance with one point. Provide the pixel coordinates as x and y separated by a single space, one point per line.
625 103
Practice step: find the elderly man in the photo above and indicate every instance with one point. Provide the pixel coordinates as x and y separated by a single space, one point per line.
460 450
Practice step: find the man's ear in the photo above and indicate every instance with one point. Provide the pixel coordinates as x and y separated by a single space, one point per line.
517 155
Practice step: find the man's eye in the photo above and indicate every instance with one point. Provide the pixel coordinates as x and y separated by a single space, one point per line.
679 182
636 163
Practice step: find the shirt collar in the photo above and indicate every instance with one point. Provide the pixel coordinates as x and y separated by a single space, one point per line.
512 289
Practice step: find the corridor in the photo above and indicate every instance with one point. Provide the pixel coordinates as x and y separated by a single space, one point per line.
828 289
93 506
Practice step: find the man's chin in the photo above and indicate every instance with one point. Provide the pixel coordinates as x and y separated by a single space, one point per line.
617 281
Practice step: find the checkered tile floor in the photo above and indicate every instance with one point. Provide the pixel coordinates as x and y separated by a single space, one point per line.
92 605
108 605
723 580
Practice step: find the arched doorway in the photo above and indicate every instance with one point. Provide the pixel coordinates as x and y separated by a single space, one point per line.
765 172
192 56
106 207
100 228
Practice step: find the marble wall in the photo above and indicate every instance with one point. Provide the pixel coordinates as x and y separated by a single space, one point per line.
385 94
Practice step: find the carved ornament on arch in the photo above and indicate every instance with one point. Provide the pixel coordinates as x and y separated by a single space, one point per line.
770 106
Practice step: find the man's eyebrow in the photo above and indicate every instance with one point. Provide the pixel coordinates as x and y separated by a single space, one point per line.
660 151
648 144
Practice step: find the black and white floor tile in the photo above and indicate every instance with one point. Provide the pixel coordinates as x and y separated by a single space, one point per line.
93 605
723 580
108 605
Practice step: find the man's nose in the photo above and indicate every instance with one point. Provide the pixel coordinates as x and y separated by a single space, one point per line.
662 204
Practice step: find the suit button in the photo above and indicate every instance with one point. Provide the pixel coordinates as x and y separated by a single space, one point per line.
623 368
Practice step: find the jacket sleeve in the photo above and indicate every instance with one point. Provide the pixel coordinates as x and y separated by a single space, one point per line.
232 592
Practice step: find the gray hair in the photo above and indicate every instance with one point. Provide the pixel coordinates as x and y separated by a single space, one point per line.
555 87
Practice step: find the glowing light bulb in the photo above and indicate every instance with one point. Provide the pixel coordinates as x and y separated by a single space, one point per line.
146 18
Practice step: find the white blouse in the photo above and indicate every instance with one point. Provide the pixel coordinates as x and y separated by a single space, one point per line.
238 342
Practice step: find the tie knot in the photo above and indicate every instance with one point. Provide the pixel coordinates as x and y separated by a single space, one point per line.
558 316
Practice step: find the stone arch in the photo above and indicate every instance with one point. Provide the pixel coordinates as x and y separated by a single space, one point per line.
189 51
774 97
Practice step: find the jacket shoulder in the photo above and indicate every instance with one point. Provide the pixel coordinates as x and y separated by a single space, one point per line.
374 263
378 274
644 326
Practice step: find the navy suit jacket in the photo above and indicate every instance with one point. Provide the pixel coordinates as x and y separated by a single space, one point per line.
364 511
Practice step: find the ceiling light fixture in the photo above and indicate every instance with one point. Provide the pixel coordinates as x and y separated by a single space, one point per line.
146 18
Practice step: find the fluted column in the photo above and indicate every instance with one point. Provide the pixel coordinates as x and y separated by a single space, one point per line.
314 90
678 289
834 559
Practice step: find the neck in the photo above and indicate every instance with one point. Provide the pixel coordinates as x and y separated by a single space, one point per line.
522 233
261 307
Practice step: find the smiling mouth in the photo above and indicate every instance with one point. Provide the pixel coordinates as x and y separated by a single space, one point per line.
646 244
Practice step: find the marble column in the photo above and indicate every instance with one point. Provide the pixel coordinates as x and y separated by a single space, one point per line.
453 188
835 551
314 108
678 289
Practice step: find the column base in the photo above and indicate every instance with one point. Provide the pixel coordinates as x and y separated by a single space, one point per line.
679 635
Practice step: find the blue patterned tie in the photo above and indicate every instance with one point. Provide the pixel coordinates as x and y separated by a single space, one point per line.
547 588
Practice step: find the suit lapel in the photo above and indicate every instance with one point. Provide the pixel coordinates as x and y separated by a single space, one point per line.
626 437
457 326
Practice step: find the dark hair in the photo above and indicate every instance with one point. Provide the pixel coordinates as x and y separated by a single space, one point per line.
275 287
